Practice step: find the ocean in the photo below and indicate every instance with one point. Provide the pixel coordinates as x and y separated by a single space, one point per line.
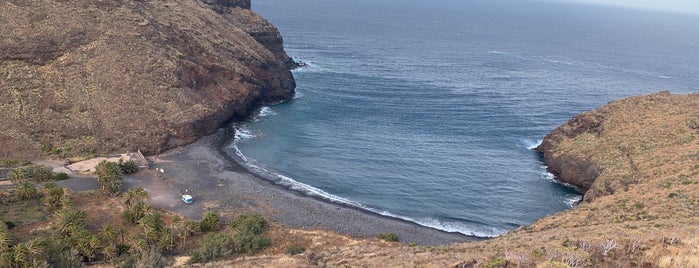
428 110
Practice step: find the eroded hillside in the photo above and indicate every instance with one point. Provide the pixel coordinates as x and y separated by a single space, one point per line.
83 77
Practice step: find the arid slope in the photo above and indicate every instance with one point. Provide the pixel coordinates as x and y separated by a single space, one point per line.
82 77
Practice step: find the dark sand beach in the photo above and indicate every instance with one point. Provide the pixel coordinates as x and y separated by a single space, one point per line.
220 184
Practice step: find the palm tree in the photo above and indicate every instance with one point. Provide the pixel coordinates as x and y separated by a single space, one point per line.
18 175
27 191
122 231
136 196
109 176
54 196
136 204
71 222
4 241
108 233
176 223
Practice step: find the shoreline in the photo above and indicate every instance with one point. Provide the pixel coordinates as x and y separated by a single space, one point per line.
219 183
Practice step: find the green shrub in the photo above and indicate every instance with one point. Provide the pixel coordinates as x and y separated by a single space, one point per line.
128 167
294 249
391 237
498 262
60 176
254 224
210 222
215 245
10 162
247 239
247 243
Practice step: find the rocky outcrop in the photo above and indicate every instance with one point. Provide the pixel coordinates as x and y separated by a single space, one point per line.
604 151
84 77
569 168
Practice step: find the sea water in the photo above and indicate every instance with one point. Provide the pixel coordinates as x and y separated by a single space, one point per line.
429 110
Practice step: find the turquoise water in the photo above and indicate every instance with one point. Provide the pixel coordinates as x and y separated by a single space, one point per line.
428 111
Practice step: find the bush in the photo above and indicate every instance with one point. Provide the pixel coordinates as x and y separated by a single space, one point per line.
215 245
294 250
254 224
128 167
496 263
248 243
210 222
391 237
247 239
60 176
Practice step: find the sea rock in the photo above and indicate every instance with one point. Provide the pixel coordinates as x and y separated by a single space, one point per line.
93 77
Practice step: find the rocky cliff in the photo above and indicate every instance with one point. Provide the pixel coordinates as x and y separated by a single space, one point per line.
81 77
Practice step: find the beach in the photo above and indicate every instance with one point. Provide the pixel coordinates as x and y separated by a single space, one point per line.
220 184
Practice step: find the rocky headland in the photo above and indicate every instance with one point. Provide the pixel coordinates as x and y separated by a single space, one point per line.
97 77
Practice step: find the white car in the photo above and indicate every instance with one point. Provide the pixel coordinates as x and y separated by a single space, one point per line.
187 199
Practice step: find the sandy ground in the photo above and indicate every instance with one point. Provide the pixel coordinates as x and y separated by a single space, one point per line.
221 185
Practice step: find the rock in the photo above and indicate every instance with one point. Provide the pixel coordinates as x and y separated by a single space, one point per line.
125 85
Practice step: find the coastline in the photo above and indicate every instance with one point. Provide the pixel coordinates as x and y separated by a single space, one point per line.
219 183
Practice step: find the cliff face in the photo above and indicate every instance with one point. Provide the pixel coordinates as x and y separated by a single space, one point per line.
102 76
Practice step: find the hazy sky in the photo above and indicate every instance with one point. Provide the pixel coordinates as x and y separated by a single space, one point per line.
685 6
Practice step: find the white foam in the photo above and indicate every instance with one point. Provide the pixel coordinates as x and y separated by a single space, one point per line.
550 176
266 111
242 133
532 145
571 201
664 77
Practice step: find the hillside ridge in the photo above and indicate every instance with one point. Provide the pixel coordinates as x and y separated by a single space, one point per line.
97 77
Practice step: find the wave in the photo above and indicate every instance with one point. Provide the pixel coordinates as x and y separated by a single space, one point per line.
573 200
242 133
531 145
454 227
266 111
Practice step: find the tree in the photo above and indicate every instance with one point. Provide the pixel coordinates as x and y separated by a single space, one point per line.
54 196
109 176
70 222
136 204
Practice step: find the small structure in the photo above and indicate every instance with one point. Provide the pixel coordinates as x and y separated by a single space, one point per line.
187 199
